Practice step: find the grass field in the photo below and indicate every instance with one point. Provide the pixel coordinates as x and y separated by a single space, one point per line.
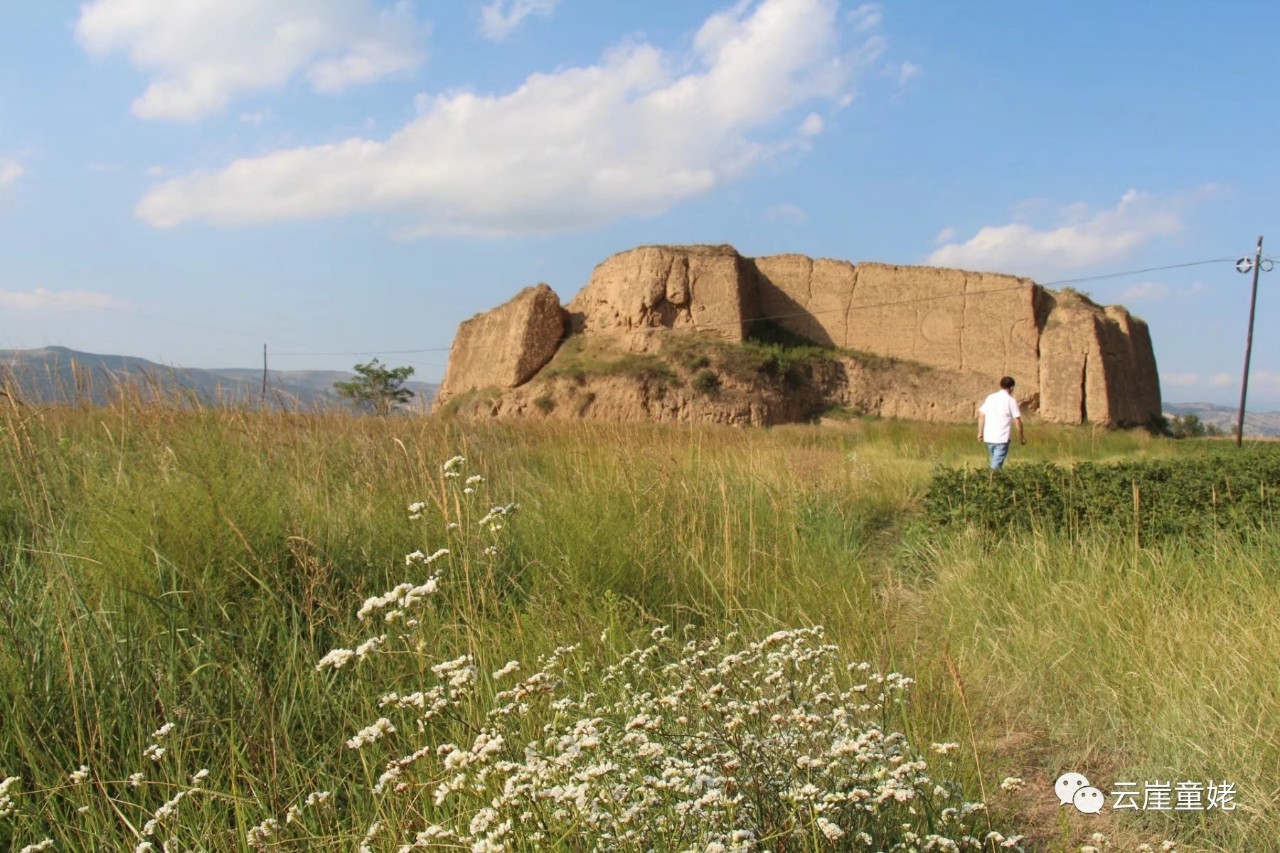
171 565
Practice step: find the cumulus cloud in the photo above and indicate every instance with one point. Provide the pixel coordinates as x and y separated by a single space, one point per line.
634 134
1181 380
787 212
201 55
866 17
1260 381
501 17
257 116
1145 290
1264 391
10 171
66 300
1085 238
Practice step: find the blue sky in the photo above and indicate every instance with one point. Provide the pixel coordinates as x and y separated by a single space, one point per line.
185 181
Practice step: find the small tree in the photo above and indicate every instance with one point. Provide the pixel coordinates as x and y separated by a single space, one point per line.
376 387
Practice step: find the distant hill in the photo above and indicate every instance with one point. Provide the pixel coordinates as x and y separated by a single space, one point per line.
61 375
1224 417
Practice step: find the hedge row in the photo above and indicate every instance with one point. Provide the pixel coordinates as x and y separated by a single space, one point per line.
1220 491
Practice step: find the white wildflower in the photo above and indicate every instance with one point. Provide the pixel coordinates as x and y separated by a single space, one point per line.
258 835
376 826
1012 783
830 830
162 814
336 658
47 844
369 734
78 776
944 748
510 667
162 732
7 806
135 780
155 752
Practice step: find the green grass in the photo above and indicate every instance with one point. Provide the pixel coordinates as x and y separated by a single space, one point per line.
578 358
164 564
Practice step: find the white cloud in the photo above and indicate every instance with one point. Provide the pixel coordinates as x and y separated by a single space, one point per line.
1145 290
501 17
1261 382
1181 380
907 72
575 148
66 300
10 171
257 116
1084 239
945 235
202 54
787 212
866 17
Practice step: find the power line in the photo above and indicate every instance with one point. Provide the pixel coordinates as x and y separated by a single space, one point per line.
1136 272
373 352
784 316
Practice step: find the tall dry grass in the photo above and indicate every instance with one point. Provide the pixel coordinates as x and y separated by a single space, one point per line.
188 564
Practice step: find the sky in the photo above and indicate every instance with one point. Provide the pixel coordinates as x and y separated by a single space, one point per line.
185 180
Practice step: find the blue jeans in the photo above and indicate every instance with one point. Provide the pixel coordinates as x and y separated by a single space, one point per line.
998 453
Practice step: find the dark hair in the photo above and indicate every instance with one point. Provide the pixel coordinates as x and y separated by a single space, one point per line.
1006 382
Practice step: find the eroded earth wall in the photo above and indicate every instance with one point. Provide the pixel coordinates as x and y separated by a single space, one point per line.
1074 361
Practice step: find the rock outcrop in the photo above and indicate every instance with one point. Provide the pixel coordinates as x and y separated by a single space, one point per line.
660 288
505 347
943 337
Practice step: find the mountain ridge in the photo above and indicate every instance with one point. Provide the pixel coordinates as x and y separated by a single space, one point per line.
1264 424
59 374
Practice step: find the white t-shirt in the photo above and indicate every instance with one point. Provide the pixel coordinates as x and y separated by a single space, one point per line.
1000 409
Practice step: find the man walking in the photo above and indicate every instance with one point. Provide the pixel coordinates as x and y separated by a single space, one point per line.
996 416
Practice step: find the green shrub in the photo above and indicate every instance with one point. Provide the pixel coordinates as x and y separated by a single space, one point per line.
706 381
545 404
1219 491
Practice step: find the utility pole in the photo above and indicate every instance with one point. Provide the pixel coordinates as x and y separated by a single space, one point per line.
264 376
1257 264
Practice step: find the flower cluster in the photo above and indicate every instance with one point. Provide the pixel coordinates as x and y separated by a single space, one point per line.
718 744
7 806
709 744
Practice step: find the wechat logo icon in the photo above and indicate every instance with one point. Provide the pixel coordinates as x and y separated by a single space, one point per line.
1074 789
